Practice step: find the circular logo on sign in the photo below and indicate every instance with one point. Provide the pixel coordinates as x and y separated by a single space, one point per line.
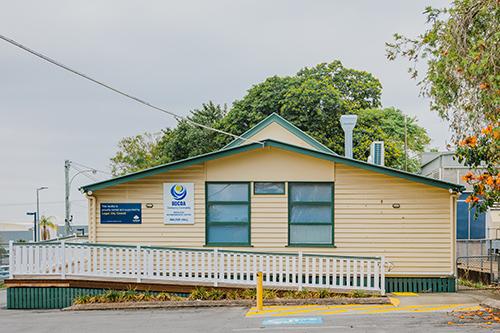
179 192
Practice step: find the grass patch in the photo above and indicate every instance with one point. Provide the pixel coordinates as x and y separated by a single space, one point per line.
212 294
472 284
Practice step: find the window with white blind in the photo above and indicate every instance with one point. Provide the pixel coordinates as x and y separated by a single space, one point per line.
228 214
310 214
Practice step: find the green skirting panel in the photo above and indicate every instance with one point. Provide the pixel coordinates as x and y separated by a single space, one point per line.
419 285
45 297
61 297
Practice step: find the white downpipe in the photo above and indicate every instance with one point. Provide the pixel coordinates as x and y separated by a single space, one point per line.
382 275
92 212
11 259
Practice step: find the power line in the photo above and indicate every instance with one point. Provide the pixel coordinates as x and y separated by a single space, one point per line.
34 203
176 116
85 173
92 178
86 166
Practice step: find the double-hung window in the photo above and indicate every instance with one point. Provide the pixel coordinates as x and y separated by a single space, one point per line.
310 214
228 214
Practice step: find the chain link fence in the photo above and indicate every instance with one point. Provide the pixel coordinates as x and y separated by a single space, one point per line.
479 261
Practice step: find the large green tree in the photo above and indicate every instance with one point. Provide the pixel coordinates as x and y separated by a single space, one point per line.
313 100
185 140
462 80
389 125
137 153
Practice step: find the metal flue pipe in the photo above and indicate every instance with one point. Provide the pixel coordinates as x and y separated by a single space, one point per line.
348 122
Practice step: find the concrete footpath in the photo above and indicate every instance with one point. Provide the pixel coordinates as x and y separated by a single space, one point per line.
453 312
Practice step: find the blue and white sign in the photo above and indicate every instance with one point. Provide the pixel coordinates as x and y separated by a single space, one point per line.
178 203
293 321
121 213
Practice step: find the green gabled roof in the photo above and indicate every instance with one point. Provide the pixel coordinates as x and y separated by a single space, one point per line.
276 118
277 144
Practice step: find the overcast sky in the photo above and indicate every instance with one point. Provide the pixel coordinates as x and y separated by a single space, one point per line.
176 54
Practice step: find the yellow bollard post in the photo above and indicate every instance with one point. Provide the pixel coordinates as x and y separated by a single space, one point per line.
260 302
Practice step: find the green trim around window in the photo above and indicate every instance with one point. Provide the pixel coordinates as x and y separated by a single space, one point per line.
275 182
312 203
239 202
312 245
228 245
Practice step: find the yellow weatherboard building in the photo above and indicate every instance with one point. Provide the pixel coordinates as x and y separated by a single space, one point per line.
282 191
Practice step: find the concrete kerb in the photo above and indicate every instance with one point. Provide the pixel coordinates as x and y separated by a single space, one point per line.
491 303
484 297
224 303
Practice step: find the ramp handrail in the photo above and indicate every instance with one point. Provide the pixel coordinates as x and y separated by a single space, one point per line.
215 266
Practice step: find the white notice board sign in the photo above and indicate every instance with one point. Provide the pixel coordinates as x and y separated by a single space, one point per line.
178 203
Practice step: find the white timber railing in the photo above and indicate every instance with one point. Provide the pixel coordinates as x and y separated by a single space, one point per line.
281 270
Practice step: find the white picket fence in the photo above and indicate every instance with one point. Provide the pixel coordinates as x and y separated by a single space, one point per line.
286 270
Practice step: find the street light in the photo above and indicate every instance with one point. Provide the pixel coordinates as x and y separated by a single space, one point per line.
67 204
38 208
34 224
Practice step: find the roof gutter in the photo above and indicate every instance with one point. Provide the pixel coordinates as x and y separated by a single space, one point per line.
277 144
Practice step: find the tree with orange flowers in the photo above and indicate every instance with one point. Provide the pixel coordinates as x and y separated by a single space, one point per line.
462 80
481 153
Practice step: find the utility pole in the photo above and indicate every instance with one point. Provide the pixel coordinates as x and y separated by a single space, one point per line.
68 218
34 224
67 207
406 146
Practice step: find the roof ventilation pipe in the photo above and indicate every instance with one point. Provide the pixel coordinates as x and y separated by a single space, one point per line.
348 122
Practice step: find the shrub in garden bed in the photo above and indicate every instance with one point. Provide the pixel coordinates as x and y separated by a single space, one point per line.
114 296
212 294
